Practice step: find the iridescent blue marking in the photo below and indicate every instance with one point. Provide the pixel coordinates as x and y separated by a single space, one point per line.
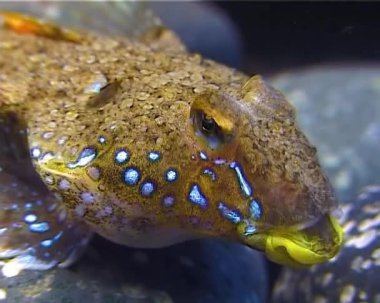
121 156
249 230
210 172
35 152
197 197
153 156
220 161
147 188
203 155
86 156
131 176
39 227
171 175
30 218
244 185
28 206
255 209
102 140
233 215
49 242
168 201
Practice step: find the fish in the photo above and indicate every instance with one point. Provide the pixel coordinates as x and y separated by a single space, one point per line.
352 275
147 145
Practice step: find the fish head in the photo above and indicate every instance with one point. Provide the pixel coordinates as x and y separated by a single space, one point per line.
270 183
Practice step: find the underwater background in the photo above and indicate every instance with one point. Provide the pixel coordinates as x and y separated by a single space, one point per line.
325 58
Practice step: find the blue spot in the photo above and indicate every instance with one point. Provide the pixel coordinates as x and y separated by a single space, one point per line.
255 209
171 175
153 156
220 161
86 156
197 197
244 185
131 176
102 140
249 230
49 242
209 172
147 188
30 218
232 215
203 155
121 156
35 152
168 201
28 206
39 227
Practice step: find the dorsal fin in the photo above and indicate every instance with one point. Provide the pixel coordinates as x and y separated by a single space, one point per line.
24 24
132 19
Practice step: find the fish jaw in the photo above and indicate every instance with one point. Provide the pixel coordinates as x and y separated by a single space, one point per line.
298 246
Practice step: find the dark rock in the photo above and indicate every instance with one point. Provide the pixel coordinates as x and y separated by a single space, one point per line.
202 271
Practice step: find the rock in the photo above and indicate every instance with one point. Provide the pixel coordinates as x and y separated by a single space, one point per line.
202 271
352 276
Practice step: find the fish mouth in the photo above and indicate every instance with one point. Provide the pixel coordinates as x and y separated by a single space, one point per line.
303 245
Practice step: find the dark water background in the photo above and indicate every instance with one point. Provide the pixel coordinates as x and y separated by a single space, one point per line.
284 35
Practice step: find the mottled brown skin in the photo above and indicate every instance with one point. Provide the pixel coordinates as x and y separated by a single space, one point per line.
148 105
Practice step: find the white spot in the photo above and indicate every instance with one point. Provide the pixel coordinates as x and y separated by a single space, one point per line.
356 263
46 157
348 226
49 179
326 279
369 223
121 156
62 140
3 294
11 269
64 184
363 240
367 264
35 152
100 81
93 172
376 253
47 135
363 295
87 197
347 294
80 209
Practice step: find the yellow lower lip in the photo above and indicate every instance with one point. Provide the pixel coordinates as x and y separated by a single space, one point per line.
301 247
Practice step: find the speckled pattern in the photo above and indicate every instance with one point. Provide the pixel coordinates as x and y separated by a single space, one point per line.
350 277
148 145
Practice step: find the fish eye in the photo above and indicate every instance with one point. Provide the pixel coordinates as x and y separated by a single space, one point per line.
208 124
208 129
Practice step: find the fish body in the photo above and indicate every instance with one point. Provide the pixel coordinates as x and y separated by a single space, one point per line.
148 145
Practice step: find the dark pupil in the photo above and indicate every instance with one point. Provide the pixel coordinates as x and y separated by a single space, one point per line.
208 123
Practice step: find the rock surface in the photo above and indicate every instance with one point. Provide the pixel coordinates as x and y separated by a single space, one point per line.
202 271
